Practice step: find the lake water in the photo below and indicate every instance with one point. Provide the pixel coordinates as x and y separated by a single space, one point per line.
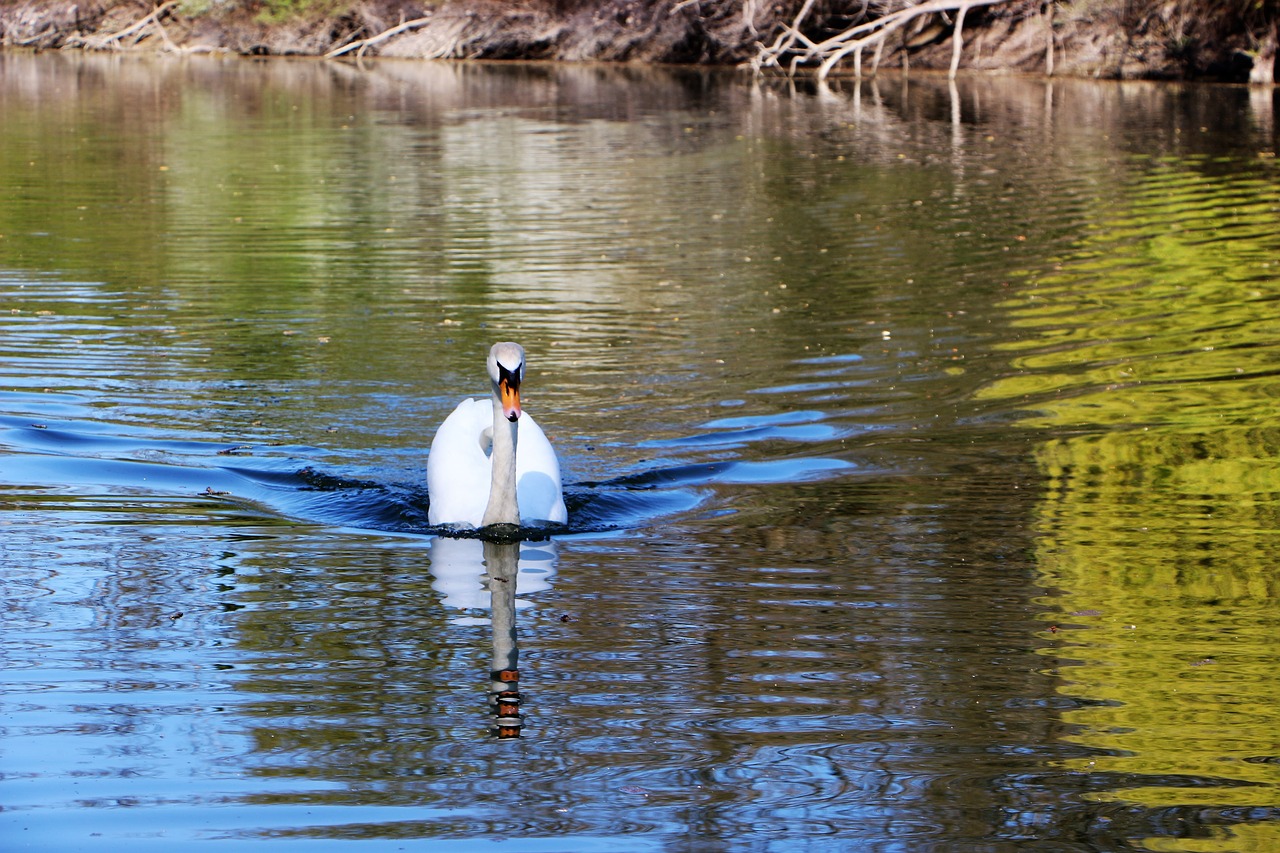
920 444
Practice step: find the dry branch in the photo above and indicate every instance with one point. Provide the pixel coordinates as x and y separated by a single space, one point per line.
826 54
1048 47
113 41
40 36
957 42
769 56
361 45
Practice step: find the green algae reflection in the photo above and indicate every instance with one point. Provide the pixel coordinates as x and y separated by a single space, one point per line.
1151 358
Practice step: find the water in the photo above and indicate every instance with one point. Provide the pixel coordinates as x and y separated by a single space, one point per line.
920 447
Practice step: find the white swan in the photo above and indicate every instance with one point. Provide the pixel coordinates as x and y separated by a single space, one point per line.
476 476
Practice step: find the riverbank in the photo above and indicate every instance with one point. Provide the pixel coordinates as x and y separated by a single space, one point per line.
1179 39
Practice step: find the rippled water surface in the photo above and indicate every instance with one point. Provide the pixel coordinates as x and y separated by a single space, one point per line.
920 444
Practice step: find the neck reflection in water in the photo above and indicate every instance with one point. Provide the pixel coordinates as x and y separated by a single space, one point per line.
473 576
502 561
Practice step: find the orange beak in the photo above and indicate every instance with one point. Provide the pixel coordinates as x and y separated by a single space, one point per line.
510 395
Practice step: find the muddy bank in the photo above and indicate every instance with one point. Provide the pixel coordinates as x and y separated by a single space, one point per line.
1176 39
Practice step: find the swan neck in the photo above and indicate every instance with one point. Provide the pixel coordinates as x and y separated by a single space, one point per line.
502 508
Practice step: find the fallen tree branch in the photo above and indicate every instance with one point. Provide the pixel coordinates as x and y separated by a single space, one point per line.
112 42
769 56
51 30
957 42
1048 45
361 45
828 53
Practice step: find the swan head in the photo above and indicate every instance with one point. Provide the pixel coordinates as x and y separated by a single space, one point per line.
506 370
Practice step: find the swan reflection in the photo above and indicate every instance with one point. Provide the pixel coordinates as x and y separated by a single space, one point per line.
475 575
458 574
502 561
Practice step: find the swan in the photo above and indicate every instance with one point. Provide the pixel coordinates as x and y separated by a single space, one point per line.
476 476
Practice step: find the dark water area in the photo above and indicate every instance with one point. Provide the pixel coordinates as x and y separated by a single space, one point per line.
920 447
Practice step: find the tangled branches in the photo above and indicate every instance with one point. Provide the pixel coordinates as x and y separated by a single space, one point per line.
131 35
795 48
361 45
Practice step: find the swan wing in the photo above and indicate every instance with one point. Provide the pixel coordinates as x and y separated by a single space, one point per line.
538 489
458 468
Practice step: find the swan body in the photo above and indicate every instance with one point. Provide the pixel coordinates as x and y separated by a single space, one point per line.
490 462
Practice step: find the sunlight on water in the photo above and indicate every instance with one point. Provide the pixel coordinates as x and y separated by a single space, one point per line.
922 478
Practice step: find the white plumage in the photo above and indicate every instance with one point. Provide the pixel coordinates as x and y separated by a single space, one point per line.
490 463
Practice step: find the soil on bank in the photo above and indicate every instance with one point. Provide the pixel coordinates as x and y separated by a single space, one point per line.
1173 39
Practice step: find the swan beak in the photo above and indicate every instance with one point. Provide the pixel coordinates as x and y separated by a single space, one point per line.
510 394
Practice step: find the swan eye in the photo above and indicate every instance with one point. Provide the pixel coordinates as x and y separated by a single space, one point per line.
510 378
